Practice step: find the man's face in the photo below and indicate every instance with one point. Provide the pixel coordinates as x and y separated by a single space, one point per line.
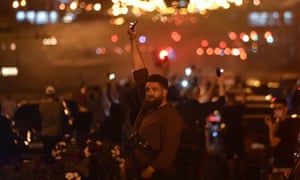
280 111
154 94
83 90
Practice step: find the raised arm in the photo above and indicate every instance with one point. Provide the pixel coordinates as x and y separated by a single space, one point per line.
140 73
137 58
215 82
274 140
221 90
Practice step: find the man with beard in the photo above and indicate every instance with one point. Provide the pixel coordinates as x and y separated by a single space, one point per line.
158 124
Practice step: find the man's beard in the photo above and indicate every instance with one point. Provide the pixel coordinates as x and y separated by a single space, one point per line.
153 104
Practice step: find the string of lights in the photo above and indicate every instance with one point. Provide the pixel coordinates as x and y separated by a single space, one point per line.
138 7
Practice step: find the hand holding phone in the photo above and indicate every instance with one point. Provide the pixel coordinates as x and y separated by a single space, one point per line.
219 72
132 25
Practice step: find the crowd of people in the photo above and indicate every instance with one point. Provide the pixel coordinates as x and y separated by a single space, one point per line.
161 126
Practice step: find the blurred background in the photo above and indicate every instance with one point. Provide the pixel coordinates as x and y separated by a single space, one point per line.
69 42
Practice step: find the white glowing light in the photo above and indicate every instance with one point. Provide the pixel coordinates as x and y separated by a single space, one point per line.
15 4
9 71
184 83
139 7
188 71
97 7
51 41
112 76
73 5
235 52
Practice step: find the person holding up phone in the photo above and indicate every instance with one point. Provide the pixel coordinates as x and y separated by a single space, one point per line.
282 137
192 154
158 123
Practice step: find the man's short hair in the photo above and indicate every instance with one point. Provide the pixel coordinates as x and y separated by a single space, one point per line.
159 79
49 90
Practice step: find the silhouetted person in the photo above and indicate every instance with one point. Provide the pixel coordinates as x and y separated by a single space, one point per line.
232 116
52 121
192 151
83 119
158 124
8 149
97 107
8 107
295 99
111 128
130 104
282 137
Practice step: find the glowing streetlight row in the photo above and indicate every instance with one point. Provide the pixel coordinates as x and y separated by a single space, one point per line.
74 5
139 7
205 48
120 7
240 52
64 5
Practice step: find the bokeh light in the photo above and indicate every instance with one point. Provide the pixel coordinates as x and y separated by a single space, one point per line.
175 36
200 51
114 38
204 43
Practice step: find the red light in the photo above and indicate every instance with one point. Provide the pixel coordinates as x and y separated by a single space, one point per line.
204 43
222 44
232 36
163 55
114 38
214 118
175 36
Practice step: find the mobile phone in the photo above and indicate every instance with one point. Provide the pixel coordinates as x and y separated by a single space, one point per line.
132 25
219 71
111 76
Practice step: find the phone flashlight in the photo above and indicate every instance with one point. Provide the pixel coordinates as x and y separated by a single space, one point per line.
132 25
219 71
